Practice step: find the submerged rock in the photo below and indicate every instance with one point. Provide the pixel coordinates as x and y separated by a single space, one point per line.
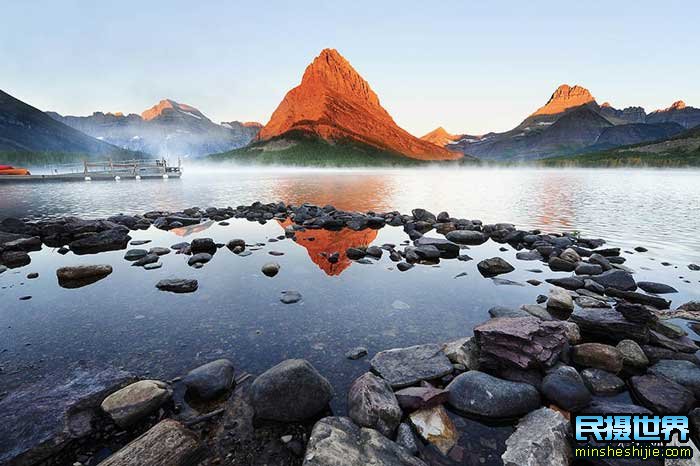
403 367
42 418
293 390
81 275
178 285
290 297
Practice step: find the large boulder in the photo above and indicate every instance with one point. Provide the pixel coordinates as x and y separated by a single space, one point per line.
293 390
618 279
372 403
662 395
402 367
481 394
599 356
42 418
520 342
540 438
337 441
682 372
210 380
565 388
135 402
608 325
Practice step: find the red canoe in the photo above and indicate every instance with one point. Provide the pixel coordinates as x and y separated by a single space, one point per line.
14 171
6 167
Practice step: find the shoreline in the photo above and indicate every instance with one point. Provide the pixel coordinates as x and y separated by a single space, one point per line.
593 336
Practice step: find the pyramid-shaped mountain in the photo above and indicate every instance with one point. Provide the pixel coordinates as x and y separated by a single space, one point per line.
334 103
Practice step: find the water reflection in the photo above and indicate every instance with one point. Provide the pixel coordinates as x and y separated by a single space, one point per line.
320 244
192 229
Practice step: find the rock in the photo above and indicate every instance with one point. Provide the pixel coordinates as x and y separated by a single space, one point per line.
557 264
447 248
270 269
337 441
404 266
356 353
159 251
481 394
135 254
355 253
520 342
199 258
657 288
639 298
402 367
462 351
662 395
593 287
602 383
565 388
42 418
608 325
599 356
540 438
14 259
537 311
108 240
694 267
146 260
290 297
502 311
606 407
371 403
568 283
682 372
3 269
656 354
203 245
406 439
423 215
469 237
81 275
494 266
560 300
680 344
291 391
529 256
618 279
570 255
236 245
427 253
573 333
153 266
178 285
435 427
210 380
135 402
586 301
632 355
168 443
414 398
588 269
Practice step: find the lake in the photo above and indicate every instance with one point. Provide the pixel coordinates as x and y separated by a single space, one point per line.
124 320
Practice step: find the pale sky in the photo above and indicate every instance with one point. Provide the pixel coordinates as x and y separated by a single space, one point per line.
471 67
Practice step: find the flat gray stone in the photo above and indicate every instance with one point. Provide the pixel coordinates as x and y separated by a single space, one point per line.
402 367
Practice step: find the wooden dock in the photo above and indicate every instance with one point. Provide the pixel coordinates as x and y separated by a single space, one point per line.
104 171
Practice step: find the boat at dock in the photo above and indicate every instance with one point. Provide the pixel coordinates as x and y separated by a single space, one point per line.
105 170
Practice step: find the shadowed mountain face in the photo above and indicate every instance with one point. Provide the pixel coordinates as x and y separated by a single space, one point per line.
167 129
24 128
572 122
322 243
335 104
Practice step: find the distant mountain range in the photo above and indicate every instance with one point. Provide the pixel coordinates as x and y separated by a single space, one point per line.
167 129
24 128
572 122
334 117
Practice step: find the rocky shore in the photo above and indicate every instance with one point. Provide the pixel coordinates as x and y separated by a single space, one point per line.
597 341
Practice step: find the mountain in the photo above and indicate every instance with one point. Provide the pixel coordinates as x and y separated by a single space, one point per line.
681 150
572 122
333 103
678 112
440 137
167 129
26 129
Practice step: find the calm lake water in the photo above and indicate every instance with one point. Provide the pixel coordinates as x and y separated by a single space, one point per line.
236 312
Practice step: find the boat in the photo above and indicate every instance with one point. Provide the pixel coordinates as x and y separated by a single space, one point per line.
97 171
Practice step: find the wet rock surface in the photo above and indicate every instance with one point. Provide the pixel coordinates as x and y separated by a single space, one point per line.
407 366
